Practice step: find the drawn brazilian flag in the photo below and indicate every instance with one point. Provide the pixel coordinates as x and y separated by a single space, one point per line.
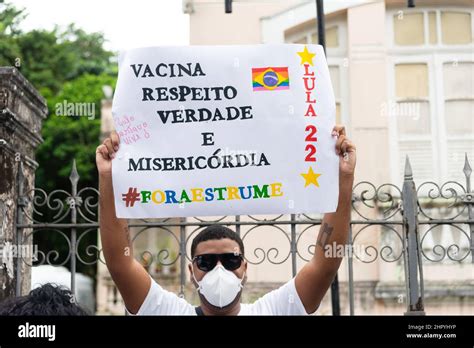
270 78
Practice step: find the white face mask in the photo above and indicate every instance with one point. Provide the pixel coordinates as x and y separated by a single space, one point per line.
220 287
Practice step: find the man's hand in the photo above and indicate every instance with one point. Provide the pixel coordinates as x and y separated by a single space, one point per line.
105 153
314 279
130 277
346 151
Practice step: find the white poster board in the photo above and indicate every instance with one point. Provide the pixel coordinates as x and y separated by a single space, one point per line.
224 130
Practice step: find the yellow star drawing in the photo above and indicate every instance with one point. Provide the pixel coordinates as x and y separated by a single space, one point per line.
306 56
310 178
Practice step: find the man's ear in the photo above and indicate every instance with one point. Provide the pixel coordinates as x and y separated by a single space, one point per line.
191 278
245 274
190 268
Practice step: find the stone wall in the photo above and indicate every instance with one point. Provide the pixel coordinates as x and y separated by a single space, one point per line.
22 110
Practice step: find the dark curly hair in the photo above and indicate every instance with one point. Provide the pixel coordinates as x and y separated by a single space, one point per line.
48 299
216 232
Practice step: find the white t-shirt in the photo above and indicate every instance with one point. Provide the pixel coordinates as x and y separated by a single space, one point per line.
282 301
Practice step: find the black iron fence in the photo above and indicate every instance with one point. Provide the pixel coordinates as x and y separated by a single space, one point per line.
412 223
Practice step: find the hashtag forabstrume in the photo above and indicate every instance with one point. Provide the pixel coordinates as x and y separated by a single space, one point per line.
198 194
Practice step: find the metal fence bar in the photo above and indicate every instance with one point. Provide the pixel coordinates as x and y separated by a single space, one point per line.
320 22
237 225
74 200
293 245
322 41
335 302
21 203
350 271
469 200
182 257
409 202
244 223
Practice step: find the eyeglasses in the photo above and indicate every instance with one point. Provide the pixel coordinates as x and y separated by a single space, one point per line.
207 262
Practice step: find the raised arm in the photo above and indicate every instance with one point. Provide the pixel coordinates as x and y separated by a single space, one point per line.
128 274
314 279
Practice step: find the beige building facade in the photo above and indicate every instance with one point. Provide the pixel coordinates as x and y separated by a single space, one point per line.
403 82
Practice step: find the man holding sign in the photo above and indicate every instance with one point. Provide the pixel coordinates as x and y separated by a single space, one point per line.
176 119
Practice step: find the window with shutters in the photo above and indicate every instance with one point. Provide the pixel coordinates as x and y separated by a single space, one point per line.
432 27
431 83
412 113
458 98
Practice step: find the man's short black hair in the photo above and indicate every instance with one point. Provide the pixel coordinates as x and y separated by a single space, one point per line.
48 299
216 232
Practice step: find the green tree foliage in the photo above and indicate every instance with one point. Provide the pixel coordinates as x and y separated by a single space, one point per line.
50 58
65 65
68 137
10 18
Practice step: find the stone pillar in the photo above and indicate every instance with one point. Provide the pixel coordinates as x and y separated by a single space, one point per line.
106 119
22 110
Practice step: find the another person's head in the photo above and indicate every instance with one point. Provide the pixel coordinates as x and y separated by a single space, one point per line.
218 266
48 299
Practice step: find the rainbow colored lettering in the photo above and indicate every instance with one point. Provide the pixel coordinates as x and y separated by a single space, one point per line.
226 193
